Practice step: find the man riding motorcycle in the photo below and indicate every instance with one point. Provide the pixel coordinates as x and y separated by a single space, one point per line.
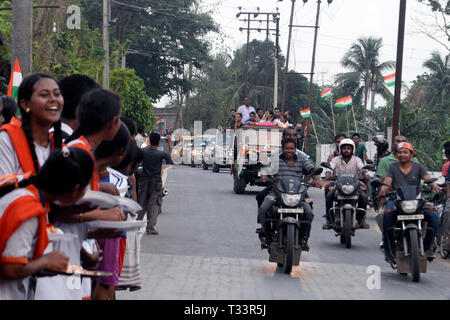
287 133
289 166
405 172
347 162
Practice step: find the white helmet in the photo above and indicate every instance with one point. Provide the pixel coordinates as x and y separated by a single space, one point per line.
347 142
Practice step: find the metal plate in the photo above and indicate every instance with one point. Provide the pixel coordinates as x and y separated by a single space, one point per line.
290 210
411 217
347 197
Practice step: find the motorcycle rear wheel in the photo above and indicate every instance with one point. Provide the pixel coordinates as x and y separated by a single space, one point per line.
442 243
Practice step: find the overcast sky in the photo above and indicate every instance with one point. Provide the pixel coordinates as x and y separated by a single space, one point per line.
341 23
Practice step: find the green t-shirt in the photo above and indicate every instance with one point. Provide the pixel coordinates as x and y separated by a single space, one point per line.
386 162
360 150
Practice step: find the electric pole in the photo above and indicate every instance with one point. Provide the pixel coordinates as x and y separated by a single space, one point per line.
106 10
286 68
277 48
22 35
398 68
248 28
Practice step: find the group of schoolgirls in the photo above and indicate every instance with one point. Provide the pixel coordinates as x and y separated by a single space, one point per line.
68 138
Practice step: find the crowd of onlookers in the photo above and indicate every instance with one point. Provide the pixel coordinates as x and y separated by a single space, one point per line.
246 116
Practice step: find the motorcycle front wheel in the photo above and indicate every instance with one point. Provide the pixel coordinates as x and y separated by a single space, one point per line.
288 249
348 228
414 250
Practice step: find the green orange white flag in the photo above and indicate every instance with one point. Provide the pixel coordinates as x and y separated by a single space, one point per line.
14 81
160 120
343 102
389 80
326 93
306 113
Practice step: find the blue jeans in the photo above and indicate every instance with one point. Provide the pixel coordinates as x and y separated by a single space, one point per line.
389 220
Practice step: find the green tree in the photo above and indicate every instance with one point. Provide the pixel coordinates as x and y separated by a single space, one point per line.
135 102
363 60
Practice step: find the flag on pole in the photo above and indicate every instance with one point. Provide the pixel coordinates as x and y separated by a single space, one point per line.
306 113
14 81
389 80
160 120
326 93
343 102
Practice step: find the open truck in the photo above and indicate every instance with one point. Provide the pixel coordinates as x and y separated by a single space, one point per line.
252 148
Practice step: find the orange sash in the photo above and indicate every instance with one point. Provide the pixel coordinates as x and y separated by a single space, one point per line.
83 143
18 212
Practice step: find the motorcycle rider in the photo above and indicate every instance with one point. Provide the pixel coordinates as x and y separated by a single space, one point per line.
287 133
290 166
405 172
347 162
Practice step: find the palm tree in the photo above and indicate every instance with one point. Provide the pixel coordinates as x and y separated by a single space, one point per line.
363 60
439 81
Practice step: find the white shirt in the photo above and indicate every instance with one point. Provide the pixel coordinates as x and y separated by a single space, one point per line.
339 165
245 112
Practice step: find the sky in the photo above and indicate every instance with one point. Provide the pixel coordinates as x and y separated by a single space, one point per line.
341 23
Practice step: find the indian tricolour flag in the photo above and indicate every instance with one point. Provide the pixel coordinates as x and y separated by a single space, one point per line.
326 93
344 102
160 120
306 113
389 80
14 81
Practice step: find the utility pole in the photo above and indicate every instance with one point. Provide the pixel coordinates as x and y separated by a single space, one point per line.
277 48
313 61
373 87
248 28
246 57
22 35
106 10
286 68
266 60
398 68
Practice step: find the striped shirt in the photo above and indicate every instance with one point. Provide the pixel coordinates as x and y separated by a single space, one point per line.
282 170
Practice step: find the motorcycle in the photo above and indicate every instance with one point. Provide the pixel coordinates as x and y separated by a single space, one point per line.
382 146
290 199
438 202
409 229
345 205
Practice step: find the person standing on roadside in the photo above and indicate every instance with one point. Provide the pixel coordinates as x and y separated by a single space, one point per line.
150 188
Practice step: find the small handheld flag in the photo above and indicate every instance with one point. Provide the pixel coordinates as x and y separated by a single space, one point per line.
326 93
389 80
14 81
306 113
160 120
343 102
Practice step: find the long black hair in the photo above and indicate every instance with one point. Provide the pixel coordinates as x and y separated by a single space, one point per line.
73 88
62 172
109 148
9 108
97 108
25 92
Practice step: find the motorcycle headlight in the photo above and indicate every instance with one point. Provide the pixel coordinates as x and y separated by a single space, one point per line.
409 206
348 189
290 200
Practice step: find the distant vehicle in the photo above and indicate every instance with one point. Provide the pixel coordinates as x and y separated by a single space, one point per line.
252 151
218 152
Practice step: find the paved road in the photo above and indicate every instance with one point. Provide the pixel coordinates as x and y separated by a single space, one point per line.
208 249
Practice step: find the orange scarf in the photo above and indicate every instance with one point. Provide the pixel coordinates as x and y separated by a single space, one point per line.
83 143
15 215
